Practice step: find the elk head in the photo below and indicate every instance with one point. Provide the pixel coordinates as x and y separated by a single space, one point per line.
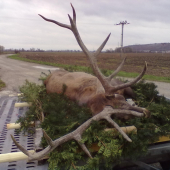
107 88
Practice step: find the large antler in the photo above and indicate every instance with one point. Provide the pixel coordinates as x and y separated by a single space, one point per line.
92 57
76 134
107 111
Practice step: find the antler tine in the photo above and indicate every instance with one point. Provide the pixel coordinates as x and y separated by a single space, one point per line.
122 86
48 139
84 148
72 23
117 70
82 145
114 124
74 13
98 51
56 22
20 147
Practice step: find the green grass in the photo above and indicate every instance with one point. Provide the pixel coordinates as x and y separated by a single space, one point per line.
2 84
65 66
89 70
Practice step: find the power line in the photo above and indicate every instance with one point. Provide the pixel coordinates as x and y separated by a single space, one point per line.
122 23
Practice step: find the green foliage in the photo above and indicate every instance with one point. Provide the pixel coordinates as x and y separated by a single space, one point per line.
63 116
147 96
32 93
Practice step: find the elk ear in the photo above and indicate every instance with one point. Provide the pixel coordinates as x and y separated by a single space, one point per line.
110 97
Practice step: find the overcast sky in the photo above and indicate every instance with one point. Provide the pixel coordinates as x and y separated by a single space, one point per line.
22 27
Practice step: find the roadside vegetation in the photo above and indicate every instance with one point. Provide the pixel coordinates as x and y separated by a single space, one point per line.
79 66
2 85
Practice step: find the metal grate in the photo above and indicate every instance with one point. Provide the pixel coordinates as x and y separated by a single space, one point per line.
9 114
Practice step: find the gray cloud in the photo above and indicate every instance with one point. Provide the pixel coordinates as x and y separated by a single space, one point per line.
21 27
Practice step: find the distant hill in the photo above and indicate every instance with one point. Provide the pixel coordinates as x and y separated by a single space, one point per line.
157 47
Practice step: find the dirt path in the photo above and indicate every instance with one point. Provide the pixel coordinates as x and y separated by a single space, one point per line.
14 73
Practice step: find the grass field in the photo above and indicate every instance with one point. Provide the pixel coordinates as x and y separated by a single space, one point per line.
158 64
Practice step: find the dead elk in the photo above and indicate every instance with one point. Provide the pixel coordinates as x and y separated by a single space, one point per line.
87 89
91 90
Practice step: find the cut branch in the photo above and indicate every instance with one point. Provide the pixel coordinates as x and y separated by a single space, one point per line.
17 125
24 104
15 156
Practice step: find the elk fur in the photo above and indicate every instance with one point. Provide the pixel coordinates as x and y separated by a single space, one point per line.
86 89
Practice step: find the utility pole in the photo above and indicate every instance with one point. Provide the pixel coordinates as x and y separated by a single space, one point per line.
122 23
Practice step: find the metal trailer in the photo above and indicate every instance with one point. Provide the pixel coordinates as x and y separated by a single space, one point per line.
9 114
159 152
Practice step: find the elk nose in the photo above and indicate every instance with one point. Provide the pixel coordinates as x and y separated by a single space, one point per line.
146 112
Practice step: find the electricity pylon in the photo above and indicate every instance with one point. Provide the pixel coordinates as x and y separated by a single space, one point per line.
122 23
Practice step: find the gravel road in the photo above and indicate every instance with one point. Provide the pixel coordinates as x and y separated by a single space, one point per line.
163 88
14 73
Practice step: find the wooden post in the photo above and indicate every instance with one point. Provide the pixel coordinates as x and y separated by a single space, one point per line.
13 126
16 156
13 95
24 104
126 129
16 125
